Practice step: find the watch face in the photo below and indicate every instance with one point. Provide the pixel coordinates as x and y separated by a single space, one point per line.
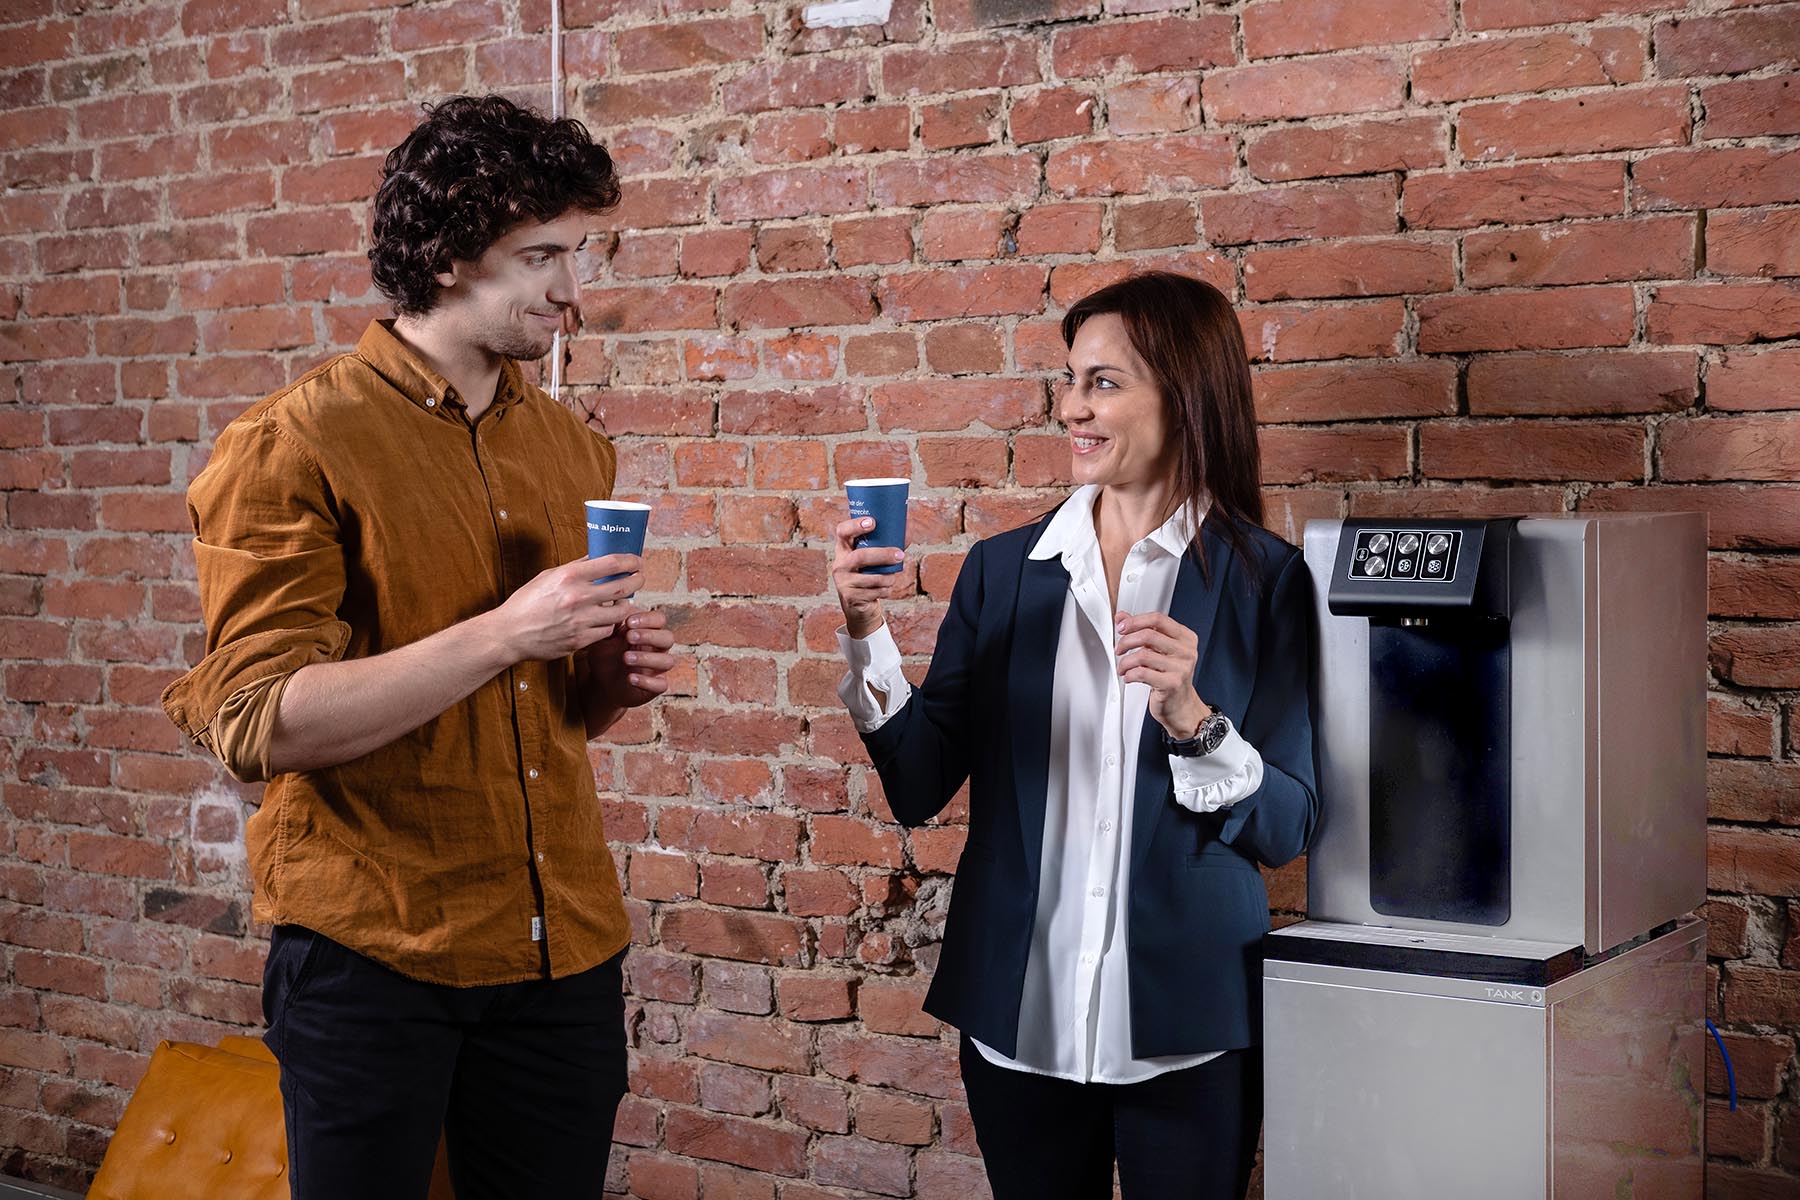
1212 733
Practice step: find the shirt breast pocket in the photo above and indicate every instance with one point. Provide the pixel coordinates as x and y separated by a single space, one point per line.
568 537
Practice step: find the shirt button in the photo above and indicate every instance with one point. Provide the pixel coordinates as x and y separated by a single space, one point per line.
532 773
1088 959
1099 891
540 856
503 514
1112 760
1106 827
431 402
1131 578
523 686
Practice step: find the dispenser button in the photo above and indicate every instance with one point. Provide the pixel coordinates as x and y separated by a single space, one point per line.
1403 566
1408 543
1434 567
1376 566
1379 543
1437 543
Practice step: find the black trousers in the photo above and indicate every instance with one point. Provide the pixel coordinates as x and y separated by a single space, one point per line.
1182 1135
522 1079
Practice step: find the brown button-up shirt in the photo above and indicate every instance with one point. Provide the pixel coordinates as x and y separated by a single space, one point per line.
356 511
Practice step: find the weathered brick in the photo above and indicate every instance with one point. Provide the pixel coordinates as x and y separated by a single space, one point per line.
1764 242
1728 43
1513 195
1306 87
1751 107
1717 178
960 122
1556 320
758 1145
675 47
1111 168
1512 14
1744 381
1274 28
1539 62
1141 47
1279 333
800 192
1358 148
1376 267
1351 391
868 130
961 179
1304 210
1629 119
1752 447
1606 383
963 292
1052 113
1589 252
955 404
1533 450
1724 313
960 67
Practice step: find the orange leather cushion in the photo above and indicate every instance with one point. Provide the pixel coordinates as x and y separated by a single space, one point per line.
240 1105
249 1047
204 1122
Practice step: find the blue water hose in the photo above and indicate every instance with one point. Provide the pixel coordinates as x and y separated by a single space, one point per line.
1730 1075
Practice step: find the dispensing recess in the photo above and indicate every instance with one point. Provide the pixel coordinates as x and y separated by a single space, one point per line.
1437 599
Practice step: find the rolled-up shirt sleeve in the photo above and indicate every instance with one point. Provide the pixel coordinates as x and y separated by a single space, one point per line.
1220 779
874 664
270 563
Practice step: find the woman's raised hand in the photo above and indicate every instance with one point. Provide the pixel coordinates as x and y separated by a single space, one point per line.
1156 649
859 592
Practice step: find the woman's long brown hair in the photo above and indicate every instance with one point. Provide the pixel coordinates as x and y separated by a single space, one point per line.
1187 334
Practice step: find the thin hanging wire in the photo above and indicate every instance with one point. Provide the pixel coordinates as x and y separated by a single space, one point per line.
556 110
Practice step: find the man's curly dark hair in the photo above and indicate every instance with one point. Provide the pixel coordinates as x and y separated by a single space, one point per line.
474 168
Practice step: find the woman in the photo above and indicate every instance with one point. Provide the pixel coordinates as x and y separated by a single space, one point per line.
1124 685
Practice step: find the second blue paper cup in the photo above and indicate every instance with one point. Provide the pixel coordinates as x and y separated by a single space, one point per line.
616 527
885 500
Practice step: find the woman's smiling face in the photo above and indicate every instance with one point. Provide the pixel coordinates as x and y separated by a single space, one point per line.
1118 424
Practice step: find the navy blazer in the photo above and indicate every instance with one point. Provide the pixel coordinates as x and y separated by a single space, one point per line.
1198 909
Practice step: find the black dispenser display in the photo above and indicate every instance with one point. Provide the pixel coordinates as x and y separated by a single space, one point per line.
1436 594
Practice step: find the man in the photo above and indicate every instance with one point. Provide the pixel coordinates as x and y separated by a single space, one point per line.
404 639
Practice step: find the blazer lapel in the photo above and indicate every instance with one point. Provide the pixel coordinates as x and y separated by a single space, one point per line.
1195 604
1037 622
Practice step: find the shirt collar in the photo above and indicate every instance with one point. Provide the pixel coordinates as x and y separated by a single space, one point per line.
1070 534
396 362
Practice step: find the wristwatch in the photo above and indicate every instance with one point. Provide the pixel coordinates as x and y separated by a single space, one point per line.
1209 737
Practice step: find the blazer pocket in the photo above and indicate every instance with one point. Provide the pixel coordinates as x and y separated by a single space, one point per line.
1217 856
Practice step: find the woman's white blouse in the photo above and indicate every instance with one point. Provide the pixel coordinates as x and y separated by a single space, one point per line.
1074 1016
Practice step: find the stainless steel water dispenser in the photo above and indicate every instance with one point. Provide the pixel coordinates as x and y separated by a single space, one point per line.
1512 730
1498 990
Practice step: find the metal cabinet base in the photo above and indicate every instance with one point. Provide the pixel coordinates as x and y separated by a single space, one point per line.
1425 1082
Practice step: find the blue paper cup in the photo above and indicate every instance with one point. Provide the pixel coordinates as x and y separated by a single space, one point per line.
885 500
616 527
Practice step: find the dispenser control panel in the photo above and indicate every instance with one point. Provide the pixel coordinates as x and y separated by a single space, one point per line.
1419 555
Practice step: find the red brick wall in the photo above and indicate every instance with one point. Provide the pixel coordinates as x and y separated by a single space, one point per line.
1495 255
